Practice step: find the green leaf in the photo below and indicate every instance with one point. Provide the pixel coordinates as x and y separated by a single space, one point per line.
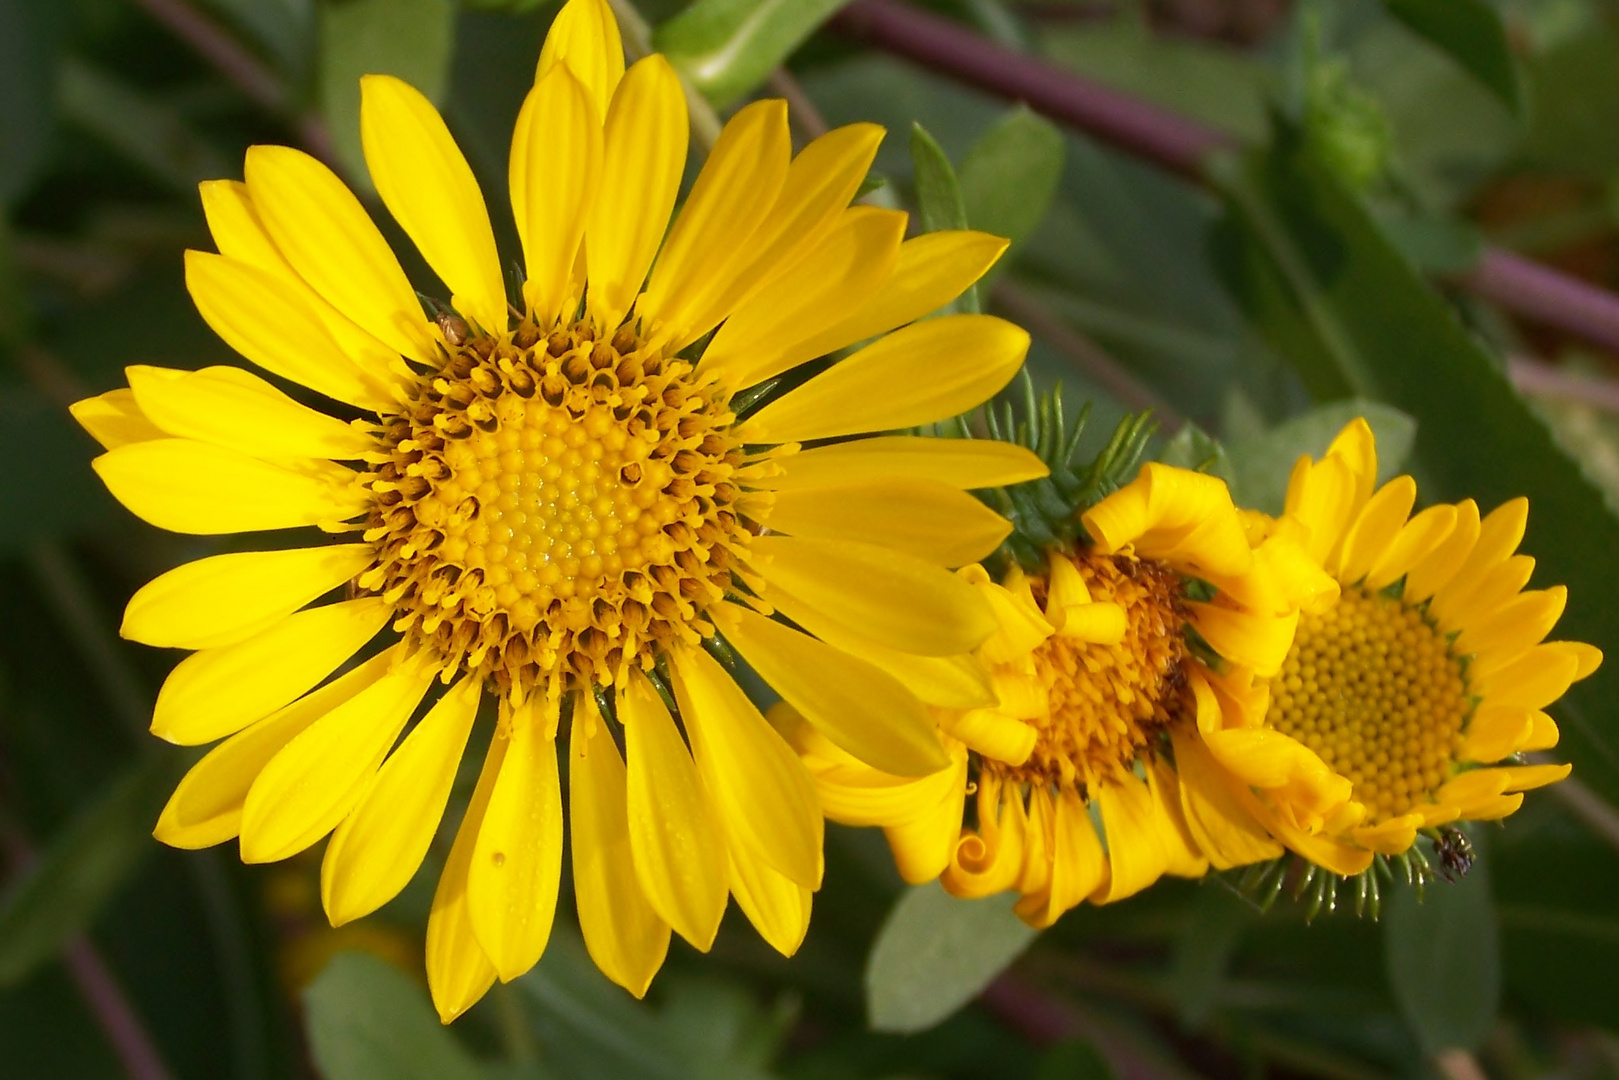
1195 449
1260 466
1473 34
28 39
82 868
1008 179
411 39
148 133
366 1019
727 47
590 1027
1443 960
1074 1060
1208 940
1441 246
1348 310
938 196
935 953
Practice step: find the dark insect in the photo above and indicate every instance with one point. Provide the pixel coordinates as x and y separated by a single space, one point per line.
1455 853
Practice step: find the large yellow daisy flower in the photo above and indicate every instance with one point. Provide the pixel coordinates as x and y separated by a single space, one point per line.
1404 690
561 501
1081 772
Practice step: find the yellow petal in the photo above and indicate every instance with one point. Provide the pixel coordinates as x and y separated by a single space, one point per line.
1528 777
1357 446
932 521
215 692
1183 517
1533 681
264 318
1322 499
241 237
961 463
376 850
555 170
626 938
319 776
676 840
228 598
992 733
821 180
861 708
1496 731
767 334
427 185
1260 642
230 407
1078 862
1135 848
777 906
193 487
1523 621
320 227
458 972
1438 567
759 787
1222 830
1416 540
1498 537
114 419
932 270
952 682
925 372
584 35
708 245
1469 601
643 156
900 601
1370 535
517 863
206 808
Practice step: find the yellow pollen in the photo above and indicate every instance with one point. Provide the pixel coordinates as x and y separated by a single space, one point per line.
556 507
1107 704
1371 686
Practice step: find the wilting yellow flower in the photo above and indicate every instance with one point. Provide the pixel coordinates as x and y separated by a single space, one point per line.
1402 691
561 503
1082 757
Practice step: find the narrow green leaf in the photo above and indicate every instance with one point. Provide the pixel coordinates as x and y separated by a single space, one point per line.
82 868
1214 924
412 39
1571 115
366 1019
1009 177
148 133
1328 290
1261 465
28 41
1473 34
935 953
938 197
727 47
1443 960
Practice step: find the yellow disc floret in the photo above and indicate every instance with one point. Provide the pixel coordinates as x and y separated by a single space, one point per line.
1107 702
555 507
1372 687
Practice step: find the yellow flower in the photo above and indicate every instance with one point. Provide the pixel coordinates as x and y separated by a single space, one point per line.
561 503
1082 757
1404 689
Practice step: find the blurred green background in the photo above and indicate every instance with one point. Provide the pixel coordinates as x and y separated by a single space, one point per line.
1316 275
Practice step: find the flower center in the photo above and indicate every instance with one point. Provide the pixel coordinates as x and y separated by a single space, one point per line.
1372 687
556 507
1106 703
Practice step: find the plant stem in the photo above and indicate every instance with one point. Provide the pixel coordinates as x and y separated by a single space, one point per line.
1516 284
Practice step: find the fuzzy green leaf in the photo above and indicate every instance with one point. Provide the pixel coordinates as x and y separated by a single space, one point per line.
1473 34
367 1019
1442 954
935 953
727 47
1009 177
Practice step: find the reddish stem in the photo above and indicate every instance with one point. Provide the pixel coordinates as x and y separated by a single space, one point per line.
1518 285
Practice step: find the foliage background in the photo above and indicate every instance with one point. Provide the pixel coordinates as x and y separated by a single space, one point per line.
1312 278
